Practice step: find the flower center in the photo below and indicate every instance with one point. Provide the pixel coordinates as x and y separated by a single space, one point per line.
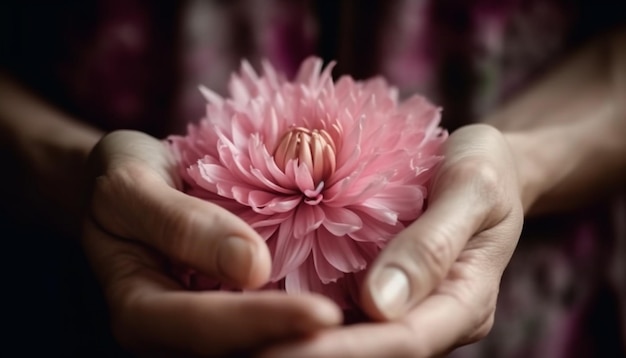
313 148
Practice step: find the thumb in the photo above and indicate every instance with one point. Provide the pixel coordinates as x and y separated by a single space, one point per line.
132 199
420 257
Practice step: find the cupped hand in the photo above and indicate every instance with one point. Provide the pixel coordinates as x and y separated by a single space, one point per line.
435 286
136 218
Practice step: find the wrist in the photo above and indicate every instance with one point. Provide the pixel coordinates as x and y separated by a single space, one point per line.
47 151
59 162
532 172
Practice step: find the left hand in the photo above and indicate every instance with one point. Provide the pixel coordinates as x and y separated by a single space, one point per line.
435 286
136 218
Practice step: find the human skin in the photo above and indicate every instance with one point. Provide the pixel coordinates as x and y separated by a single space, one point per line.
559 144
133 212
446 267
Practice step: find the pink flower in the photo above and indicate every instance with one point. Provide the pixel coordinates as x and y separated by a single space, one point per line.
327 173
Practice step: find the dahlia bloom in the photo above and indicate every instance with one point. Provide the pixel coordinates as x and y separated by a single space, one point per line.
326 172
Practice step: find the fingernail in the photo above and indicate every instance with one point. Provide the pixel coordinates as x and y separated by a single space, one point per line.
235 258
391 291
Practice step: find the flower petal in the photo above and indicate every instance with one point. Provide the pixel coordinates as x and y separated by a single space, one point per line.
341 251
321 226
257 220
378 212
210 96
326 272
267 231
302 176
376 231
309 71
307 219
303 279
405 200
264 202
289 253
341 221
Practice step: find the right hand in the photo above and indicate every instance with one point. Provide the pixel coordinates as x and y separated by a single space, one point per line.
434 287
137 221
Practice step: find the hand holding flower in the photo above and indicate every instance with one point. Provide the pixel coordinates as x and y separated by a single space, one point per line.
327 173
136 218
435 285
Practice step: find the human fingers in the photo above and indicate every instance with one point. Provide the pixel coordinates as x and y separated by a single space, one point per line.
446 267
458 312
474 190
152 315
133 197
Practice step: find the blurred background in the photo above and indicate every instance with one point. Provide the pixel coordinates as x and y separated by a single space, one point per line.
136 64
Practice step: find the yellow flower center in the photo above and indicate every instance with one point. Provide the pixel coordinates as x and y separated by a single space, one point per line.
313 148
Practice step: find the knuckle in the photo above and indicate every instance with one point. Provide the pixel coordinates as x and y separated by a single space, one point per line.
109 184
179 234
436 252
104 188
112 192
487 184
477 170
439 249
485 177
176 228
